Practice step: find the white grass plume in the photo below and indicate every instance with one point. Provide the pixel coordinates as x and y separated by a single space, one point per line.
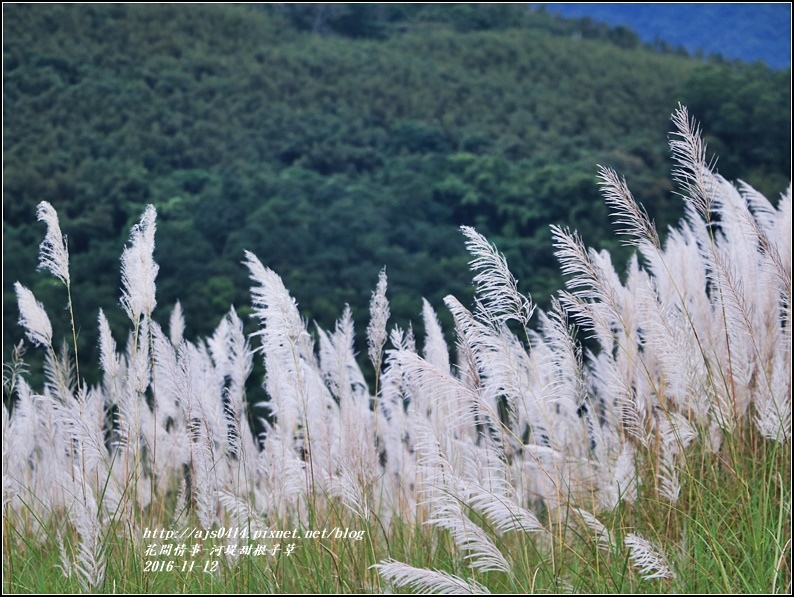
240 364
138 269
482 554
600 533
667 473
273 304
501 510
282 473
773 406
203 474
353 491
241 513
172 380
299 398
338 360
281 330
648 558
90 564
497 289
53 251
428 581
66 561
566 357
107 348
436 351
446 490
33 317
627 213
60 372
692 172
379 316
176 324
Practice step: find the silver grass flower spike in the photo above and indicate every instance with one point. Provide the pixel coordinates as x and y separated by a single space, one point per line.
627 213
693 173
379 316
647 558
53 251
428 581
599 532
176 324
90 564
500 508
138 269
497 289
33 317
273 304
435 347
107 348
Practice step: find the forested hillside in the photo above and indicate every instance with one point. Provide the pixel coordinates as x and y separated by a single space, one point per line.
335 140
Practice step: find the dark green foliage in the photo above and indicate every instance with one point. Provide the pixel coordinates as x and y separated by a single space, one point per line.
332 140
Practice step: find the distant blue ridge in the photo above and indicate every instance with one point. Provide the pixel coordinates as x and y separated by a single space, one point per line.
748 32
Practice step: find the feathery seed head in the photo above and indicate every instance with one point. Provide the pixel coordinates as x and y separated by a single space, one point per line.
627 212
138 269
693 172
33 317
53 250
176 324
431 581
107 348
647 558
378 317
273 304
497 289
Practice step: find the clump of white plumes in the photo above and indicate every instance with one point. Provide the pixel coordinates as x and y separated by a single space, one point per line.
518 435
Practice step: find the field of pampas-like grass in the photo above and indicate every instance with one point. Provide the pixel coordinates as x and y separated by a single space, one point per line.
659 460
